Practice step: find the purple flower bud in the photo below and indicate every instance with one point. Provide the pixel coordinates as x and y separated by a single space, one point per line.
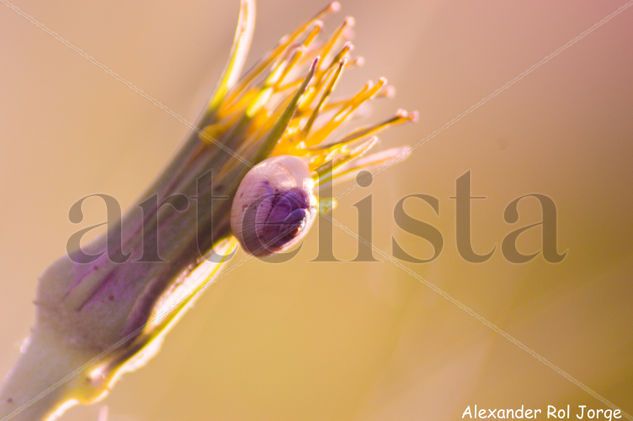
274 205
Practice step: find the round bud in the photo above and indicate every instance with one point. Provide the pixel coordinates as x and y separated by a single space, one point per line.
274 205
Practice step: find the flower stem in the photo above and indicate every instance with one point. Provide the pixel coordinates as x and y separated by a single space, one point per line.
40 383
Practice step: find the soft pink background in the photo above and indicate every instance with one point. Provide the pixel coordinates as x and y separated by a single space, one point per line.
340 341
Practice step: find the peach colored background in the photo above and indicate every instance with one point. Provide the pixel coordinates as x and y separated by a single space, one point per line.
341 341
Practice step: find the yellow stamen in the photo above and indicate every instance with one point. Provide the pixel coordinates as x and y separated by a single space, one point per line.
321 81
321 72
278 130
283 45
335 38
400 117
383 159
299 52
365 94
336 76
330 168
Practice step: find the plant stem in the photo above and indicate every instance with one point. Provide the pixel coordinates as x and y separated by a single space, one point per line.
42 378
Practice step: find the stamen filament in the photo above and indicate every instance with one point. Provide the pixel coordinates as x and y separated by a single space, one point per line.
326 94
400 117
335 38
365 94
279 128
283 45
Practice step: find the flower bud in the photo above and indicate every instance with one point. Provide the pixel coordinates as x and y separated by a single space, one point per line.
274 205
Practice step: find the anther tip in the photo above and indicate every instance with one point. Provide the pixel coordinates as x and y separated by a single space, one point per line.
412 116
335 6
349 21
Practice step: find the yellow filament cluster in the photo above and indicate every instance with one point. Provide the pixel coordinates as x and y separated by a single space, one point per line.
284 104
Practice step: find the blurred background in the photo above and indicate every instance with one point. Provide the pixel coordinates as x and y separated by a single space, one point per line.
348 340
